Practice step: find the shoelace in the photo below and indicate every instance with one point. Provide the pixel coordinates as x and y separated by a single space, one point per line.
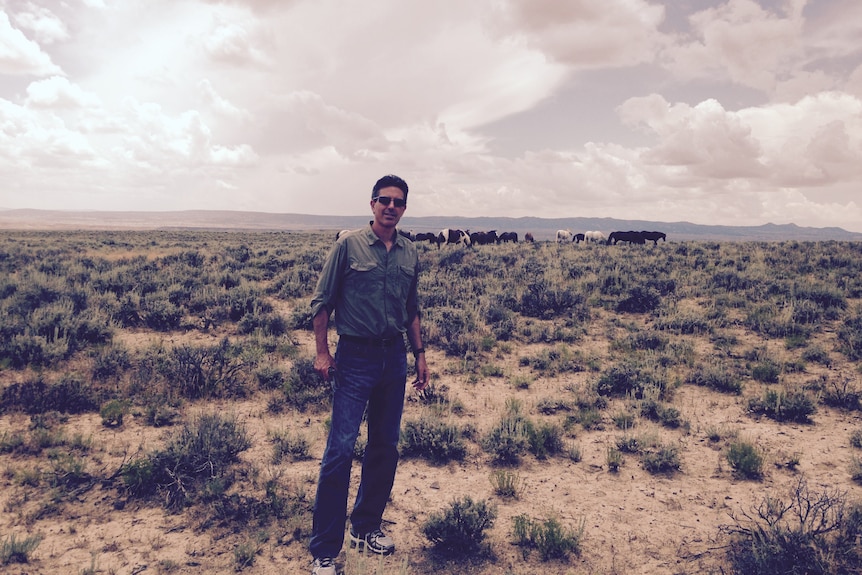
326 561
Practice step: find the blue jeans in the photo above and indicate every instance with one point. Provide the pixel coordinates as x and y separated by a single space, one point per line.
375 377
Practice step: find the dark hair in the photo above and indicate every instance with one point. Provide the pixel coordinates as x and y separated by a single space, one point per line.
388 181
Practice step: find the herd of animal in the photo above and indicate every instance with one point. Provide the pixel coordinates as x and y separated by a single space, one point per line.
631 237
466 238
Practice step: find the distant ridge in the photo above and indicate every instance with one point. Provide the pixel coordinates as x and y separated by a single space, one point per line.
541 228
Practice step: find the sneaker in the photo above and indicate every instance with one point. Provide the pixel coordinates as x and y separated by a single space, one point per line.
323 566
375 541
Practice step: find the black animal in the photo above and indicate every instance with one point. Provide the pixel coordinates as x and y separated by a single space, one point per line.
655 237
506 237
483 238
409 235
631 237
429 237
528 237
578 238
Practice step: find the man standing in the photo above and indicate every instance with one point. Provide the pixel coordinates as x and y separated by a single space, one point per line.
369 280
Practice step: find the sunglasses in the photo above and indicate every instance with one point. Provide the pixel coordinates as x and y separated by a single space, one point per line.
386 200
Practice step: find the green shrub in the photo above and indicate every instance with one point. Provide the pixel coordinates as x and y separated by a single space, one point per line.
804 533
781 405
159 314
137 477
664 459
432 439
459 530
766 371
110 362
207 371
303 388
507 441
14 550
850 337
629 379
544 440
614 459
667 416
549 537
640 299
69 395
745 459
293 446
817 354
545 301
506 483
113 412
201 452
718 377
856 469
269 377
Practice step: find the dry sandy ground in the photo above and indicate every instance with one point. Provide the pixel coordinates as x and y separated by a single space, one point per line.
634 522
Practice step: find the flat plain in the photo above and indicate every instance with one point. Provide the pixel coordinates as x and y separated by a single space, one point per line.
606 390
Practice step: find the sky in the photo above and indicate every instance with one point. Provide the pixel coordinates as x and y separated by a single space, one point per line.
732 112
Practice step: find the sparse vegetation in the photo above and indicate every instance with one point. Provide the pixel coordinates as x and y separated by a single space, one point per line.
746 459
459 530
531 348
551 539
803 532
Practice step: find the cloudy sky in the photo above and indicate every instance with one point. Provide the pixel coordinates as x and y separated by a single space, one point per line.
738 112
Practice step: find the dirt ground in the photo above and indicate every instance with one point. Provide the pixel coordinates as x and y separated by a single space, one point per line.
634 522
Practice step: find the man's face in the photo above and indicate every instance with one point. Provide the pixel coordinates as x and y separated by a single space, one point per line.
388 215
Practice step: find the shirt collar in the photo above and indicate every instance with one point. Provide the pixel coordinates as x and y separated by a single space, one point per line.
371 237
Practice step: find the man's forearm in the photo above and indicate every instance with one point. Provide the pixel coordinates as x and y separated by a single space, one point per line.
414 333
320 322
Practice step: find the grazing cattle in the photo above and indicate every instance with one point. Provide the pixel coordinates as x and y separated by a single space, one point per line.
409 235
578 238
629 236
564 236
510 237
450 236
340 234
528 237
655 237
594 237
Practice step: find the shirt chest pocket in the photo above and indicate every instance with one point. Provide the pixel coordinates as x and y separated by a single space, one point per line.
367 277
405 279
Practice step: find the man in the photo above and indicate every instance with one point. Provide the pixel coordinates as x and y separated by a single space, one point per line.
369 280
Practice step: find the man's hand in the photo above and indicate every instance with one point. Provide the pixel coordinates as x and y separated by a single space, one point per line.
422 375
324 365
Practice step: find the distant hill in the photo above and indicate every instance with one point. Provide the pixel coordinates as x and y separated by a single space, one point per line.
541 228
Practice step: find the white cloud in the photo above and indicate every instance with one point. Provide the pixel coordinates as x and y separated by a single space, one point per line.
587 34
735 111
704 141
233 43
741 41
59 92
21 56
29 139
161 143
221 105
41 23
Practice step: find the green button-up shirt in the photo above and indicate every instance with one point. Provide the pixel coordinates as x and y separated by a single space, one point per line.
371 290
